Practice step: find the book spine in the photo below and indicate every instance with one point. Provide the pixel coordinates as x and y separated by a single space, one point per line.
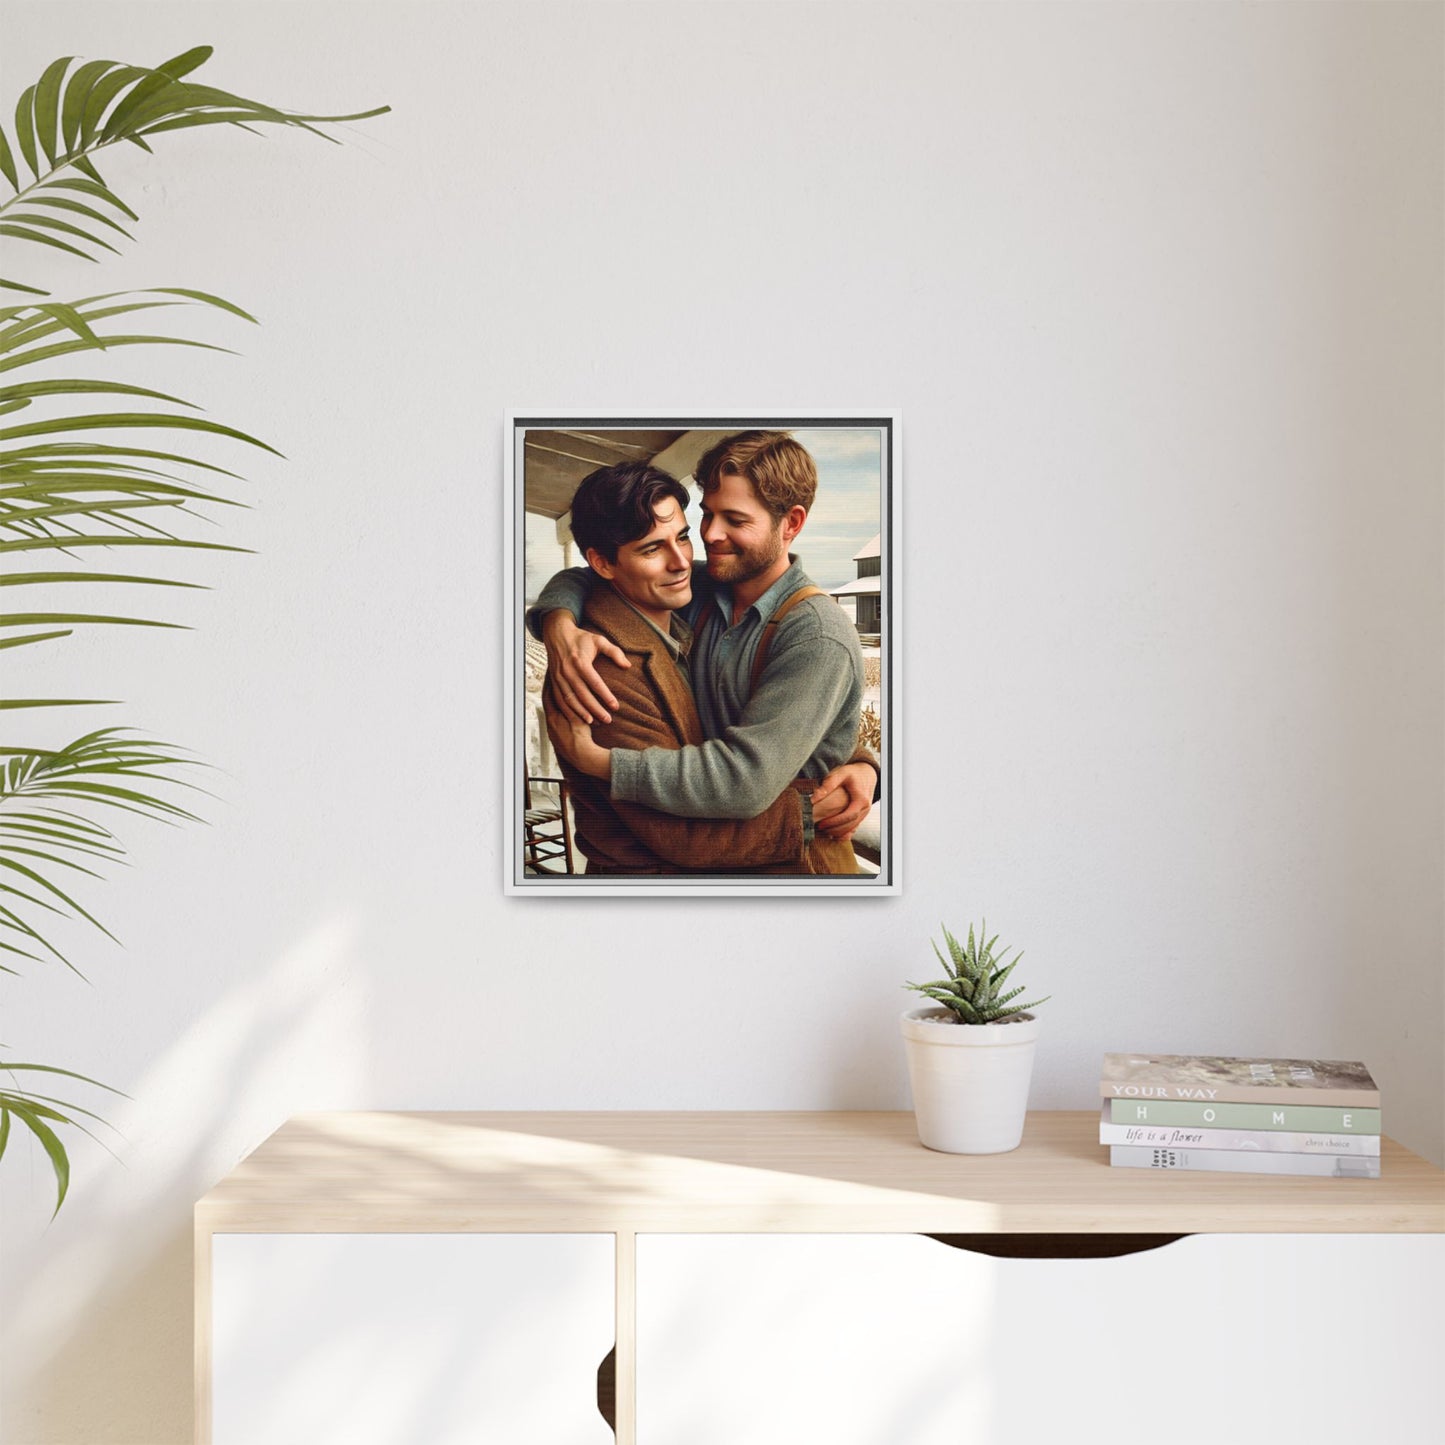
1240 1094
1297 1118
1270 1141
1235 1161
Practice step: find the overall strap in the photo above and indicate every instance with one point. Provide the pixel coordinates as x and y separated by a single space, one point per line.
760 657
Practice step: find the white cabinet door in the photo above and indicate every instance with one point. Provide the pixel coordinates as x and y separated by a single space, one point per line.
900 1340
398 1339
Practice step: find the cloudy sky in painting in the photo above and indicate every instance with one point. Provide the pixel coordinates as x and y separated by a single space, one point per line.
847 512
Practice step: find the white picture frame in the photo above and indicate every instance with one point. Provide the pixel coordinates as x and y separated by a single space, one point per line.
548 453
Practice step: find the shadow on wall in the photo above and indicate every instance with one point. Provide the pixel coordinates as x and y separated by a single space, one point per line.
98 1340
123 1371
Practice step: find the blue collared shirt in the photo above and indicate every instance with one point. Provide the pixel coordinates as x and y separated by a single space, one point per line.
725 654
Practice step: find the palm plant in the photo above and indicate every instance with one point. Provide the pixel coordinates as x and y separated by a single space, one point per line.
74 486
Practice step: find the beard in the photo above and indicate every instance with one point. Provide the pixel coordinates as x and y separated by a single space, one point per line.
745 563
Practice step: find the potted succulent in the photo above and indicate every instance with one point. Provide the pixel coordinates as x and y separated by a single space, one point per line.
970 1058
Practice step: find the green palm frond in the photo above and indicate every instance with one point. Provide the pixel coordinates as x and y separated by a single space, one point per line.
64 491
40 1113
74 111
41 832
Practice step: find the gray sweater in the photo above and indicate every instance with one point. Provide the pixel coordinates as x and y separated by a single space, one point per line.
801 721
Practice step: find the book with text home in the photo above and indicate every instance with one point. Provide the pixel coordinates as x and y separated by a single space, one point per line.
1218 1079
1269 1141
1236 1161
1301 1118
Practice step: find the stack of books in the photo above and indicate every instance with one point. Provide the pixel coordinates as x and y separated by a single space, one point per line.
1245 1116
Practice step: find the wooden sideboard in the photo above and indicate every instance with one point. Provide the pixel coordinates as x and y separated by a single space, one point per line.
627 1175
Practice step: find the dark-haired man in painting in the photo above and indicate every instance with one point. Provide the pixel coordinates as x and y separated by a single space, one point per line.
775 665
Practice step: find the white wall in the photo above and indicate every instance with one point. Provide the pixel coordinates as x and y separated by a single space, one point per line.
1158 291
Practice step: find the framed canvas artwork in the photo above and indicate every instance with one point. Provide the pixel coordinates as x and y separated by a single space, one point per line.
703 620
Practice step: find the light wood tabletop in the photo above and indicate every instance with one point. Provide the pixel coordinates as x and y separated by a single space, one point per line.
750 1172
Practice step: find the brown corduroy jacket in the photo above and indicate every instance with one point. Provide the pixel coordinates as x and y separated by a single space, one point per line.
656 710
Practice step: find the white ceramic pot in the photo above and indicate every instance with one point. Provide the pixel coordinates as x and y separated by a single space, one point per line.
970 1081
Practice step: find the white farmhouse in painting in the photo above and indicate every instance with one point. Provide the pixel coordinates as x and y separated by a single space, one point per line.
866 590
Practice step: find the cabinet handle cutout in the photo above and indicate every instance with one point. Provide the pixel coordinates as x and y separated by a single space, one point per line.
1056 1246
607 1389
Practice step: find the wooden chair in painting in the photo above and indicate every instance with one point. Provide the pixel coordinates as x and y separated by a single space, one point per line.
546 826
547 820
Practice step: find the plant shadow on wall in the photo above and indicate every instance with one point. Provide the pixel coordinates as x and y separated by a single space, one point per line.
76 494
